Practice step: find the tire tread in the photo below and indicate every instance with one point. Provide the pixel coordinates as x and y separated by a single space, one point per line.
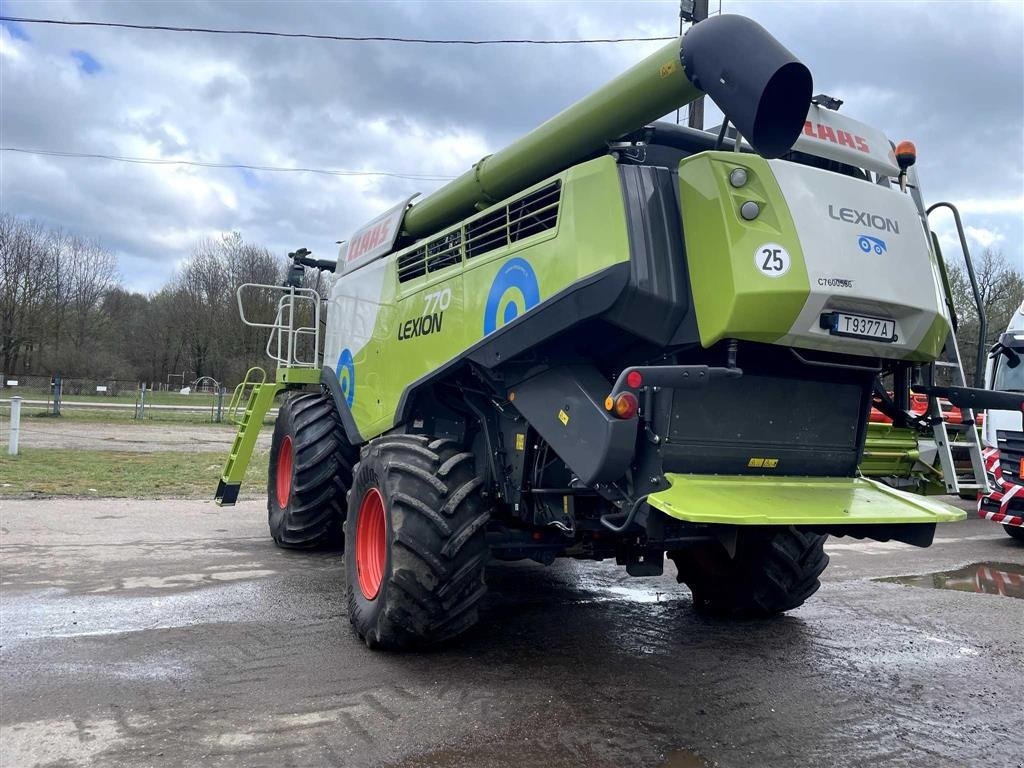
435 579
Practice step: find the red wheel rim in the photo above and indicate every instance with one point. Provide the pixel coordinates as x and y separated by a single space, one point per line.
285 459
371 544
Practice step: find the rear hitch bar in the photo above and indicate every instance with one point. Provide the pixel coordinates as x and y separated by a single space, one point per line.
670 376
976 399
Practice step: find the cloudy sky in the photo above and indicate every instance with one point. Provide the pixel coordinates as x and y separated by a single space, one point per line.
949 75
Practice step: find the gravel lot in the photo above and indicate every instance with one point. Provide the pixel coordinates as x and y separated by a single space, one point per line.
126 436
166 633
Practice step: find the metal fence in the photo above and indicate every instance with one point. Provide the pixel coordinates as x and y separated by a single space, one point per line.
5 425
57 394
33 386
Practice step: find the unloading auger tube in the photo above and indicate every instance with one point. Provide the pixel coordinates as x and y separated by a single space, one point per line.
759 85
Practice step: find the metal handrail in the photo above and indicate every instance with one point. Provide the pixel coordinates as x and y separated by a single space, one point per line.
979 363
240 397
282 344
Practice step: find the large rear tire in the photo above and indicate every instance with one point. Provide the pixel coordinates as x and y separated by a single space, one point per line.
310 472
774 570
415 544
1014 532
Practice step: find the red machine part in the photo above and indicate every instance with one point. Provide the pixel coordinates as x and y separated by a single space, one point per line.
919 405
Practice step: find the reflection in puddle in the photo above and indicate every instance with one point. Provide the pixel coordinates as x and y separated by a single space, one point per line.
639 593
684 759
1005 579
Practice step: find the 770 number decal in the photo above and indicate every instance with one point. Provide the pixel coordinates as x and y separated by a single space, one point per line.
434 305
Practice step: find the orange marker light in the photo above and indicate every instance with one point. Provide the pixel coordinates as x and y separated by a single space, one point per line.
609 404
906 154
626 405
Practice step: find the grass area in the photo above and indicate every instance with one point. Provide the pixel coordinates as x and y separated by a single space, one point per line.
121 474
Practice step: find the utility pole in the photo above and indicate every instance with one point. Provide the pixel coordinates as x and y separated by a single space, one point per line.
694 11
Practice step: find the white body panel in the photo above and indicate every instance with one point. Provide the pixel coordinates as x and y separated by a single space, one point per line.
837 137
373 240
352 309
1006 421
866 253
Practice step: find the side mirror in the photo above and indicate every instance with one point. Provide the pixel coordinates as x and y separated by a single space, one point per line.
1012 358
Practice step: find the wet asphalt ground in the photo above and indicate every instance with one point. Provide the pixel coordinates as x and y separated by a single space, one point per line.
170 633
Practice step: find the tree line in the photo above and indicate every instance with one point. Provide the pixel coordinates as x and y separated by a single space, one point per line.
64 308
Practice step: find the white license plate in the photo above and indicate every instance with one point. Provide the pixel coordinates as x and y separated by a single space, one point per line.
862 327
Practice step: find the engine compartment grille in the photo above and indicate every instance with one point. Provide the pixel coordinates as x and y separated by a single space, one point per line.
529 215
1011 451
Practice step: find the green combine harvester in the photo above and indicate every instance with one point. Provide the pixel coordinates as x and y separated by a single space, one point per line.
619 338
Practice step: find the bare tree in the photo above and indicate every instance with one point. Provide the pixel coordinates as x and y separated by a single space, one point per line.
1002 291
219 344
90 271
25 282
63 310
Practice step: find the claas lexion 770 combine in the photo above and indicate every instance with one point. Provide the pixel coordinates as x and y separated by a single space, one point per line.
620 338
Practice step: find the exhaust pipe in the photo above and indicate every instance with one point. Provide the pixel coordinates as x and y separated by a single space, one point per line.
760 86
765 91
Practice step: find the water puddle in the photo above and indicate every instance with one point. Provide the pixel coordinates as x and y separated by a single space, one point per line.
1005 579
684 759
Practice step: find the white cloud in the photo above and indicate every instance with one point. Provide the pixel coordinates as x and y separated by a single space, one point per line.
433 110
992 205
983 237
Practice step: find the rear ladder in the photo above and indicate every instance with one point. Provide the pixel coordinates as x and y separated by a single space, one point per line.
967 427
295 348
953 363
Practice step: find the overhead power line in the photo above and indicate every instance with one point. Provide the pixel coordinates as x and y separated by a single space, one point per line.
338 38
204 164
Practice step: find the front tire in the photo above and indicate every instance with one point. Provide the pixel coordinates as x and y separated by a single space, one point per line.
310 472
415 544
774 570
1014 532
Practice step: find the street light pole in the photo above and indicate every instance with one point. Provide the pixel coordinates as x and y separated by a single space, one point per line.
694 11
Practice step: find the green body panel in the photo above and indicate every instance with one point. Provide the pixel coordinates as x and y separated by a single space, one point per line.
742 500
938 333
298 375
731 297
889 451
893 452
591 235
652 88
931 345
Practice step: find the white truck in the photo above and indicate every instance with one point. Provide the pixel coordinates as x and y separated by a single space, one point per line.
1003 434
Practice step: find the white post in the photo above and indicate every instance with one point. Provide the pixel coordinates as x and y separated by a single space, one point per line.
12 433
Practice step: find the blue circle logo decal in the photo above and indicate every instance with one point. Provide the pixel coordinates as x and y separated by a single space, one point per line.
346 370
513 291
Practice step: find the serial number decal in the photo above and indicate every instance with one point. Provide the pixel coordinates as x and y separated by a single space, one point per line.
835 282
432 319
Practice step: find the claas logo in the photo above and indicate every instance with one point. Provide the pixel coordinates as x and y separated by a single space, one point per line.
827 133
